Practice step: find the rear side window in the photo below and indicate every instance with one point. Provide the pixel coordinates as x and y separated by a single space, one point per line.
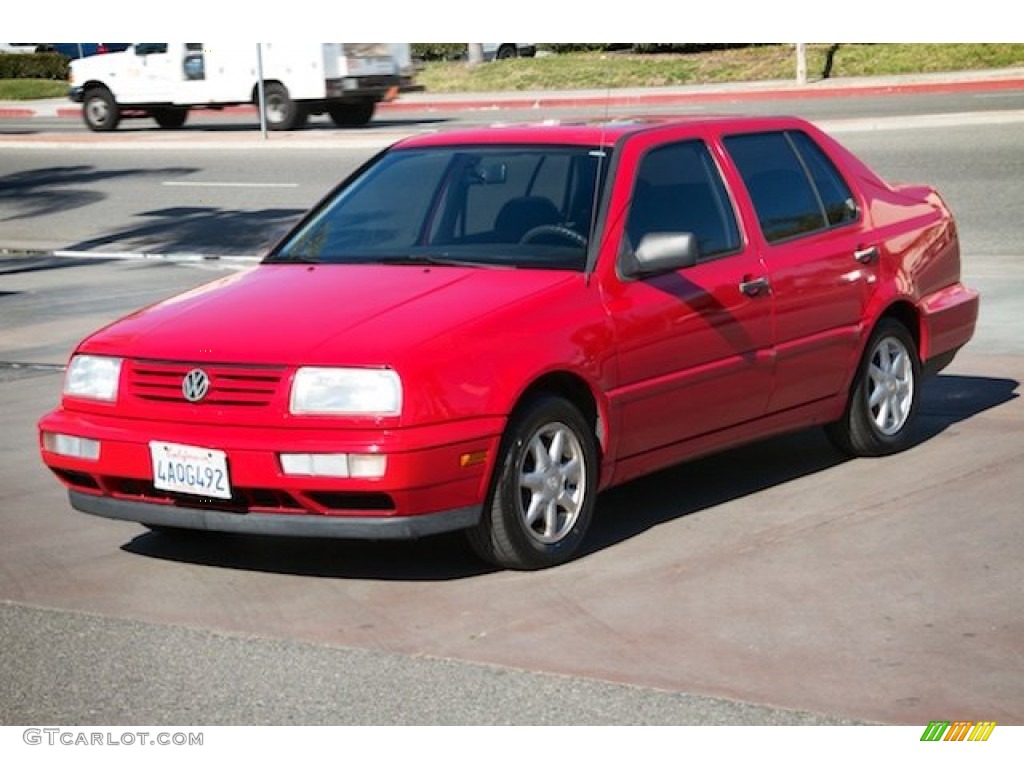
794 186
679 189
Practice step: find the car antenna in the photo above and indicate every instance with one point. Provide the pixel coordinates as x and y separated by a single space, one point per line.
601 154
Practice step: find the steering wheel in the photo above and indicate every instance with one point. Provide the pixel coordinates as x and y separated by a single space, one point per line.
554 229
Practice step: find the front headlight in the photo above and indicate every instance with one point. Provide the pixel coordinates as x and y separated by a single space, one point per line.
351 391
93 377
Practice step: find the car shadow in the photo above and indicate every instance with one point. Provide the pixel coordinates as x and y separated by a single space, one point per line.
638 506
622 513
437 558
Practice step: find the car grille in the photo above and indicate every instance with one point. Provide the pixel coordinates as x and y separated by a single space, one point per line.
230 385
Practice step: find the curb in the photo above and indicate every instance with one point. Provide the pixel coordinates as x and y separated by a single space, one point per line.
745 94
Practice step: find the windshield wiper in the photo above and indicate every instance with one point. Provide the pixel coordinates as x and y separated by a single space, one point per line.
292 259
427 259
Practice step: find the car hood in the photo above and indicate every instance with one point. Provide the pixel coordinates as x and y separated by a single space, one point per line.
292 314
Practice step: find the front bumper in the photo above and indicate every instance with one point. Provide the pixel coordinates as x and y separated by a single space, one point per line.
435 479
363 88
76 93
314 526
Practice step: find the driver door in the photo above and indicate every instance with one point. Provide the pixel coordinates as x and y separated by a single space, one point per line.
695 344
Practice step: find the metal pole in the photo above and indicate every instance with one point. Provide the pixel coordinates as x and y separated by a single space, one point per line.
475 53
801 63
259 88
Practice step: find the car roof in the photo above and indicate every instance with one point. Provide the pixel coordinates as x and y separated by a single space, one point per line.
586 133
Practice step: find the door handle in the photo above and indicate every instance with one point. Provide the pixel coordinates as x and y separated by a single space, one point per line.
866 255
754 287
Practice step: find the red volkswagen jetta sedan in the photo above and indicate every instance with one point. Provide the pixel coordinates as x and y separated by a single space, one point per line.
482 329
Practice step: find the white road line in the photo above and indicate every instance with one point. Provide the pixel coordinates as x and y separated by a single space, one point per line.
921 122
254 184
178 257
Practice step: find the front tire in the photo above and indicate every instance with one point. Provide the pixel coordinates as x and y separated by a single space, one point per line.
100 111
883 404
281 111
545 486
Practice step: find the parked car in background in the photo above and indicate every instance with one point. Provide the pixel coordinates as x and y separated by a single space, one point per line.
481 329
508 50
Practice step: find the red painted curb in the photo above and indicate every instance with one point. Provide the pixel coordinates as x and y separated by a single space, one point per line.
662 99
17 112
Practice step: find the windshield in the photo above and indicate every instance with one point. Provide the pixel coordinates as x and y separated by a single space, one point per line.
491 206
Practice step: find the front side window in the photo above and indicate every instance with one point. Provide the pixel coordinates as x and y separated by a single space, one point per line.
679 189
793 185
504 206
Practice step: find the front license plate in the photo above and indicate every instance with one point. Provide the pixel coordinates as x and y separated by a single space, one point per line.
188 469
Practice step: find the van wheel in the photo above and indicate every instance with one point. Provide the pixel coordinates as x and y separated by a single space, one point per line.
281 111
170 118
544 489
884 400
351 115
507 51
100 111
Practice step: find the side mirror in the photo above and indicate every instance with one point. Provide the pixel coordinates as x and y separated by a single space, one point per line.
660 252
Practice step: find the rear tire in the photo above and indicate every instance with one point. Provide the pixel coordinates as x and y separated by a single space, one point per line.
506 51
884 400
352 115
170 531
544 489
170 118
99 110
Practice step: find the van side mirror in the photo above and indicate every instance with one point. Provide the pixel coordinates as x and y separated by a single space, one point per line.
660 252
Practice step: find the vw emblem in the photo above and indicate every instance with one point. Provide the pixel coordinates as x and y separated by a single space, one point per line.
195 385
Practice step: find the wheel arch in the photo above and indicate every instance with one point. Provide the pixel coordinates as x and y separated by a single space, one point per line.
574 388
255 94
909 316
91 85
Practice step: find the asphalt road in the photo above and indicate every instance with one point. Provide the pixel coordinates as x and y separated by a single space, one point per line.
776 583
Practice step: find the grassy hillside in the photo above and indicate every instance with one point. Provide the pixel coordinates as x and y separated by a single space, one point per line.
753 63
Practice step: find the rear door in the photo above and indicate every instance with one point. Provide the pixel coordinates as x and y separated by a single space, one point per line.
820 257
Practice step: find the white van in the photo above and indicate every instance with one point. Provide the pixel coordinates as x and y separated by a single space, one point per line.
165 80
